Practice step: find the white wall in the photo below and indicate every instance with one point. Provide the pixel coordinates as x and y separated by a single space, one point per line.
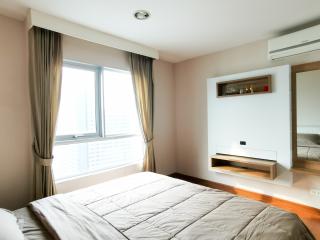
260 120
15 117
191 118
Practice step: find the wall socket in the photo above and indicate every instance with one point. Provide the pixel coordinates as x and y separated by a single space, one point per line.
315 192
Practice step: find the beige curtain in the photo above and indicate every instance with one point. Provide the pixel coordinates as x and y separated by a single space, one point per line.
45 69
141 70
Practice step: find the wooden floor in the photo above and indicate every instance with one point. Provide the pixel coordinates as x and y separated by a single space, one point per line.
310 216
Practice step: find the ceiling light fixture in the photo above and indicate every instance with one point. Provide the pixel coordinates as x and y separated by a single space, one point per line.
141 14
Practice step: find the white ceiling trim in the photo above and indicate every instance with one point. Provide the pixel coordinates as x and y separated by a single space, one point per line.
39 19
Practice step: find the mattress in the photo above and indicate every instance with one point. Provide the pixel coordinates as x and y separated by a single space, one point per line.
153 206
32 227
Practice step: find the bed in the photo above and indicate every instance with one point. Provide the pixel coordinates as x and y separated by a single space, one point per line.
153 206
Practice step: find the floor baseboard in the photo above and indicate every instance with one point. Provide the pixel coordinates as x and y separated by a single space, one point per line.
309 215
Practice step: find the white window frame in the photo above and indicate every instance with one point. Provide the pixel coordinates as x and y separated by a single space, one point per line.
100 134
73 138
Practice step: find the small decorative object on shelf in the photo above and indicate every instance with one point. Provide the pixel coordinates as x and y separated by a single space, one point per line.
248 86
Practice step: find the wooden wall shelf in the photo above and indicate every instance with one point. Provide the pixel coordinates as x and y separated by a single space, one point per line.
247 86
253 167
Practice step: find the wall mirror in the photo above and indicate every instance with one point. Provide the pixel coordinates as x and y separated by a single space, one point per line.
306 117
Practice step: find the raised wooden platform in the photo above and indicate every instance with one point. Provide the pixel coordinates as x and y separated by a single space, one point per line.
310 216
253 167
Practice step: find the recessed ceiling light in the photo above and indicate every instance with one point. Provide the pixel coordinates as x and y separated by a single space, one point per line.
141 14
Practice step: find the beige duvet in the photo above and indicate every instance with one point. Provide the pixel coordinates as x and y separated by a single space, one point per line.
152 206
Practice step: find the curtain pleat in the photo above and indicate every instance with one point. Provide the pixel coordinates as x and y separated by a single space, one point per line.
142 77
45 70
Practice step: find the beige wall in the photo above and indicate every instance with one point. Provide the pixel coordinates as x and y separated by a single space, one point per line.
15 128
164 132
15 122
164 117
180 115
191 117
164 122
87 52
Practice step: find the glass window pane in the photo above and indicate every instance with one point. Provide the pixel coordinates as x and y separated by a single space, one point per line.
119 101
77 112
77 116
82 158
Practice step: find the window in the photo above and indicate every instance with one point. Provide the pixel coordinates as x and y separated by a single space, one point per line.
79 107
97 125
119 103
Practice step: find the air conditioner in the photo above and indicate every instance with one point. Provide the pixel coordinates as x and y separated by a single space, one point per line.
295 43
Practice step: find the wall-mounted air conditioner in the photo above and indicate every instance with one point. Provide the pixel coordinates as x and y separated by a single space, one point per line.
295 43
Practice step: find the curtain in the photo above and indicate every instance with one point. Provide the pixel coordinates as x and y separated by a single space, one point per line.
45 70
141 70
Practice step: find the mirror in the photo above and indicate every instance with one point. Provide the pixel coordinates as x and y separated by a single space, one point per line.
307 86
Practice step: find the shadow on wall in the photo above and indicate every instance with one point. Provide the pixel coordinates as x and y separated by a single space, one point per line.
305 25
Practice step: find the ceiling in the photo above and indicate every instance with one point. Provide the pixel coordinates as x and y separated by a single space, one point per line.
180 29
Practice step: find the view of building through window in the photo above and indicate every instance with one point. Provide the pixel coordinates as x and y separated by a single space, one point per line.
97 125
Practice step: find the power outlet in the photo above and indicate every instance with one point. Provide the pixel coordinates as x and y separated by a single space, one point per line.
315 192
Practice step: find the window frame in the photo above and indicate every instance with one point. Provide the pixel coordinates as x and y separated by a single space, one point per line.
75 138
101 122
100 134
